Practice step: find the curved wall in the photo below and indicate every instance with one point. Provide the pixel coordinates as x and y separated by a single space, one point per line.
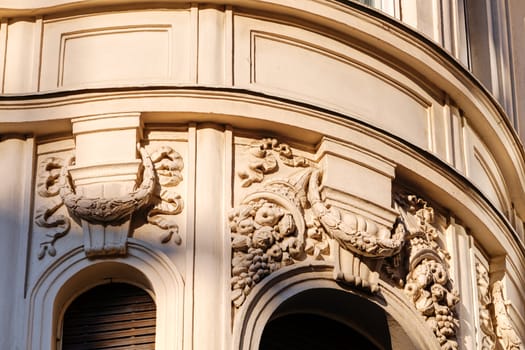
221 136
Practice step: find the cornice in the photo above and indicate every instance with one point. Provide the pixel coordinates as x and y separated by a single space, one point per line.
28 114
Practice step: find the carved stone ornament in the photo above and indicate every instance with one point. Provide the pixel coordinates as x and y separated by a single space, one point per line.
264 161
167 203
47 186
106 221
508 339
285 221
427 283
109 210
488 336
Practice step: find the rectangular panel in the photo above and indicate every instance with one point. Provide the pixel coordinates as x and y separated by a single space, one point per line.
118 54
116 48
317 75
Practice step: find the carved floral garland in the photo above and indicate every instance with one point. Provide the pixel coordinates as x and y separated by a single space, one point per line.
495 324
488 336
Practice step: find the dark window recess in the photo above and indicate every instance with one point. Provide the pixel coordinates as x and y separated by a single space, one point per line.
110 316
311 332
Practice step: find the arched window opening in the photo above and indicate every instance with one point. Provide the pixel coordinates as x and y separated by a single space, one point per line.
328 319
110 316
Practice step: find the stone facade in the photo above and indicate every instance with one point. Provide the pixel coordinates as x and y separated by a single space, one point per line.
234 158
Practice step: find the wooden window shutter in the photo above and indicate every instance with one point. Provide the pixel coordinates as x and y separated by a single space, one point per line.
110 316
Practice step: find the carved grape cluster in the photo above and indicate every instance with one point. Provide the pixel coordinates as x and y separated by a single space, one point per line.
263 240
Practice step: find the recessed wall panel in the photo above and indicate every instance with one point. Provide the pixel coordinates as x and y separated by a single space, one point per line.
115 55
305 66
141 47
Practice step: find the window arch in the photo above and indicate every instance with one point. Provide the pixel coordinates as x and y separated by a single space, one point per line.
75 273
114 315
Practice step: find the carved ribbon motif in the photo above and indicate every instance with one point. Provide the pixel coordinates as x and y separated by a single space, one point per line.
168 165
264 162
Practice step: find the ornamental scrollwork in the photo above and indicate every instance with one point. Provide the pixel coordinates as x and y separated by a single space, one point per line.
427 284
46 216
161 172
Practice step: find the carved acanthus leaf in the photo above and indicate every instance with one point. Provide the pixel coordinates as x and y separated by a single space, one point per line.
428 284
264 160
507 336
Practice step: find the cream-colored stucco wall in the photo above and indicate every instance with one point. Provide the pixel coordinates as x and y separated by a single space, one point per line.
236 97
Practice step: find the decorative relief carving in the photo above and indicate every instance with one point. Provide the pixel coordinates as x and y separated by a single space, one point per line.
272 226
507 336
286 221
109 210
166 202
264 160
48 187
488 336
364 242
427 283
110 216
268 231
